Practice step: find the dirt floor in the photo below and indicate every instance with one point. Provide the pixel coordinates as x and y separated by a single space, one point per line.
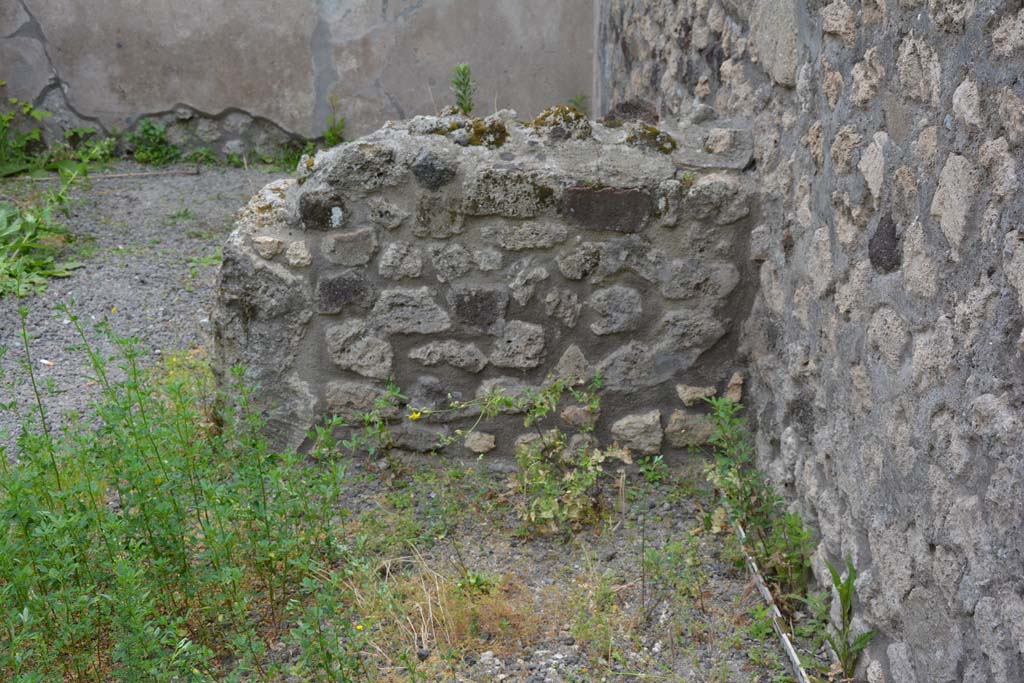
654 591
149 248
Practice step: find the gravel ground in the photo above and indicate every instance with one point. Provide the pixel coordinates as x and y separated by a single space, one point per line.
580 606
150 250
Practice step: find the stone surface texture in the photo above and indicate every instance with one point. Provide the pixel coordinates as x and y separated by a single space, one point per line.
884 348
452 267
233 75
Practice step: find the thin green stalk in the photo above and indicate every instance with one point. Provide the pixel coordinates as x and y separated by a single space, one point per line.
23 314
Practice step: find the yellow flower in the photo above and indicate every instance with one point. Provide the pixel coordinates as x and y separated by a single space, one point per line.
113 309
415 415
359 627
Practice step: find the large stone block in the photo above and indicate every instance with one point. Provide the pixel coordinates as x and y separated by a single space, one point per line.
352 348
617 308
409 311
338 290
618 209
521 345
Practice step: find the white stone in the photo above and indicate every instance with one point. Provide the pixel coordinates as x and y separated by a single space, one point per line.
640 433
965 102
298 255
692 395
479 442
953 199
872 164
267 247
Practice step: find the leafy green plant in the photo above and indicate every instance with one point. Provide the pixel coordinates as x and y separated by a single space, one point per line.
149 144
20 136
80 146
375 436
559 475
31 239
287 158
778 540
464 88
334 133
846 646
201 155
674 572
578 102
654 469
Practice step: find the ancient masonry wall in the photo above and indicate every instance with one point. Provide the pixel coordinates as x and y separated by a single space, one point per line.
885 347
457 255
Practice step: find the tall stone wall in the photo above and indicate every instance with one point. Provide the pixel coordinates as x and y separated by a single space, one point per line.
256 73
885 342
455 256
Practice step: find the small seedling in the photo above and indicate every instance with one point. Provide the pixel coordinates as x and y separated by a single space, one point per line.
654 469
464 88
579 102
334 133
202 155
847 650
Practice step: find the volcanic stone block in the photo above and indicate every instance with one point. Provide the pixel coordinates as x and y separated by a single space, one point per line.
437 216
688 429
525 282
432 171
641 432
400 260
363 165
579 262
719 197
618 309
351 248
506 192
521 346
351 400
619 209
520 235
336 290
563 305
409 311
458 355
628 368
351 348
450 261
385 214
479 308
322 210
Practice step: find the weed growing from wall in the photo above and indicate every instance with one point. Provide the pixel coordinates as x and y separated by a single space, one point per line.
778 540
334 132
463 88
149 144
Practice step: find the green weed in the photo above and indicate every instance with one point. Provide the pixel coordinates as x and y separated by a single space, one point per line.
846 646
202 155
654 469
334 132
149 144
778 540
31 238
20 136
463 88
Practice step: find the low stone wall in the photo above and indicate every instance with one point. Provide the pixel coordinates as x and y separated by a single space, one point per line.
455 255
